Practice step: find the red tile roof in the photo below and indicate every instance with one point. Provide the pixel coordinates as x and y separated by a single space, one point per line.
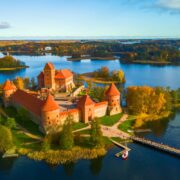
8 85
63 74
85 101
101 103
28 101
49 65
50 104
112 91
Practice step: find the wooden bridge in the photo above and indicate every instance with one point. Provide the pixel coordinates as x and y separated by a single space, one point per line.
156 145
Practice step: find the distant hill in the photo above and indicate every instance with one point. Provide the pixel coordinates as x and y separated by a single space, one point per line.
9 62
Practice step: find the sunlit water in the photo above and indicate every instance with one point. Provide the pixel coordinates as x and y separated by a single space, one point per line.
143 162
135 74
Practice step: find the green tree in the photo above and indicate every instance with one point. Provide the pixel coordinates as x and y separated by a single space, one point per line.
10 123
46 144
96 134
6 140
33 83
66 137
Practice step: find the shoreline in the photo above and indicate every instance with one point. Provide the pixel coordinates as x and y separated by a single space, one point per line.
13 68
149 63
87 77
111 58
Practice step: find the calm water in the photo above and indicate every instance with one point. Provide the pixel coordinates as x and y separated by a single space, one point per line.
143 162
135 74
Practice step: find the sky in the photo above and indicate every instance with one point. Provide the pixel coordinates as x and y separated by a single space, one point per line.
89 18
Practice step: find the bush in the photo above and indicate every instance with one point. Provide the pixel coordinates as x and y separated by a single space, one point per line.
10 123
6 140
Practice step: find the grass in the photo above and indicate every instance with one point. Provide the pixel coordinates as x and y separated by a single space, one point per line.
25 122
128 124
79 125
110 120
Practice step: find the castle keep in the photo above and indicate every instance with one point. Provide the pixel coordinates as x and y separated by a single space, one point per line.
48 114
59 80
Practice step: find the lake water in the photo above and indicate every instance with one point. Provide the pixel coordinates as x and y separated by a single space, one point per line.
143 162
136 74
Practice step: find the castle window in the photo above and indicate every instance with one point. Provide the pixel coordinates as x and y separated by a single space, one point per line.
57 116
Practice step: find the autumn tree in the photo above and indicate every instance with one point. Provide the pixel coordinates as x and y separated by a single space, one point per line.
19 82
148 100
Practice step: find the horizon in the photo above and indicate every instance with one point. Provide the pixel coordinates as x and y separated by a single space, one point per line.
95 18
68 38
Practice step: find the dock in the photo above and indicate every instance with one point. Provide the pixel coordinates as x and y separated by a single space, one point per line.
156 145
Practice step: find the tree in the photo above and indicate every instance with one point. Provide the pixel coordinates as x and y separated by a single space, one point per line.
10 123
6 140
19 83
66 137
96 134
46 145
26 82
148 100
33 83
121 76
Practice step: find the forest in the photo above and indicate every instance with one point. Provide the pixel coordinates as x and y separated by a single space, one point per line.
145 51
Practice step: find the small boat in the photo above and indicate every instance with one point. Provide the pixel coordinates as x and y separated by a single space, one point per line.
125 155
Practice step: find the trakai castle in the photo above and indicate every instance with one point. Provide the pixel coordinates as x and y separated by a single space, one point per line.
47 113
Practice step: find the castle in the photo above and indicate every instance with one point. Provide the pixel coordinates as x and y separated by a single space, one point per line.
49 115
59 80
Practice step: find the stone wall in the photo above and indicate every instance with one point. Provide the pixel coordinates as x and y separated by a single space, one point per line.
75 113
100 109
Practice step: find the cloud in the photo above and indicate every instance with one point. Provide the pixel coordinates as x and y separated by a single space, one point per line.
4 25
169 4
172 6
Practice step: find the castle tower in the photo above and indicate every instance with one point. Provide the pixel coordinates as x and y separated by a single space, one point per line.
50 114
8 89
86 106
49 76
113 98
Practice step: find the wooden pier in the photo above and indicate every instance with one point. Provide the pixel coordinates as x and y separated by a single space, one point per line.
156 145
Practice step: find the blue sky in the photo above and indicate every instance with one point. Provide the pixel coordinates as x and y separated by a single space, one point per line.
128 18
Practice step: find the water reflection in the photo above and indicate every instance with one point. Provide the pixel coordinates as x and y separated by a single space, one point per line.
69 168
96 165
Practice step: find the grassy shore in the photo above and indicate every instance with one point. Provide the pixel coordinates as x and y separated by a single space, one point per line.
13 68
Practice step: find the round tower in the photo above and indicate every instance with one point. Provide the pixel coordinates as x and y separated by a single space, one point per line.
50 117
49 76
113 98
8 90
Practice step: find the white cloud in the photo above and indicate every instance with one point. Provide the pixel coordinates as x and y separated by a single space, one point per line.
4 25
169 4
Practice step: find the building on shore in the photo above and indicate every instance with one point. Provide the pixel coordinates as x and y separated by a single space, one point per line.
58 80
48 114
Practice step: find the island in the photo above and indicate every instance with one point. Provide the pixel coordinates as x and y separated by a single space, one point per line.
50 122
8 63
103 76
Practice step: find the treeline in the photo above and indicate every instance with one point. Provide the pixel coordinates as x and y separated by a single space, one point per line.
10 62
145 50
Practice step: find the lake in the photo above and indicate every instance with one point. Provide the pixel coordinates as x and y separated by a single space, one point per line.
136 74
143 162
